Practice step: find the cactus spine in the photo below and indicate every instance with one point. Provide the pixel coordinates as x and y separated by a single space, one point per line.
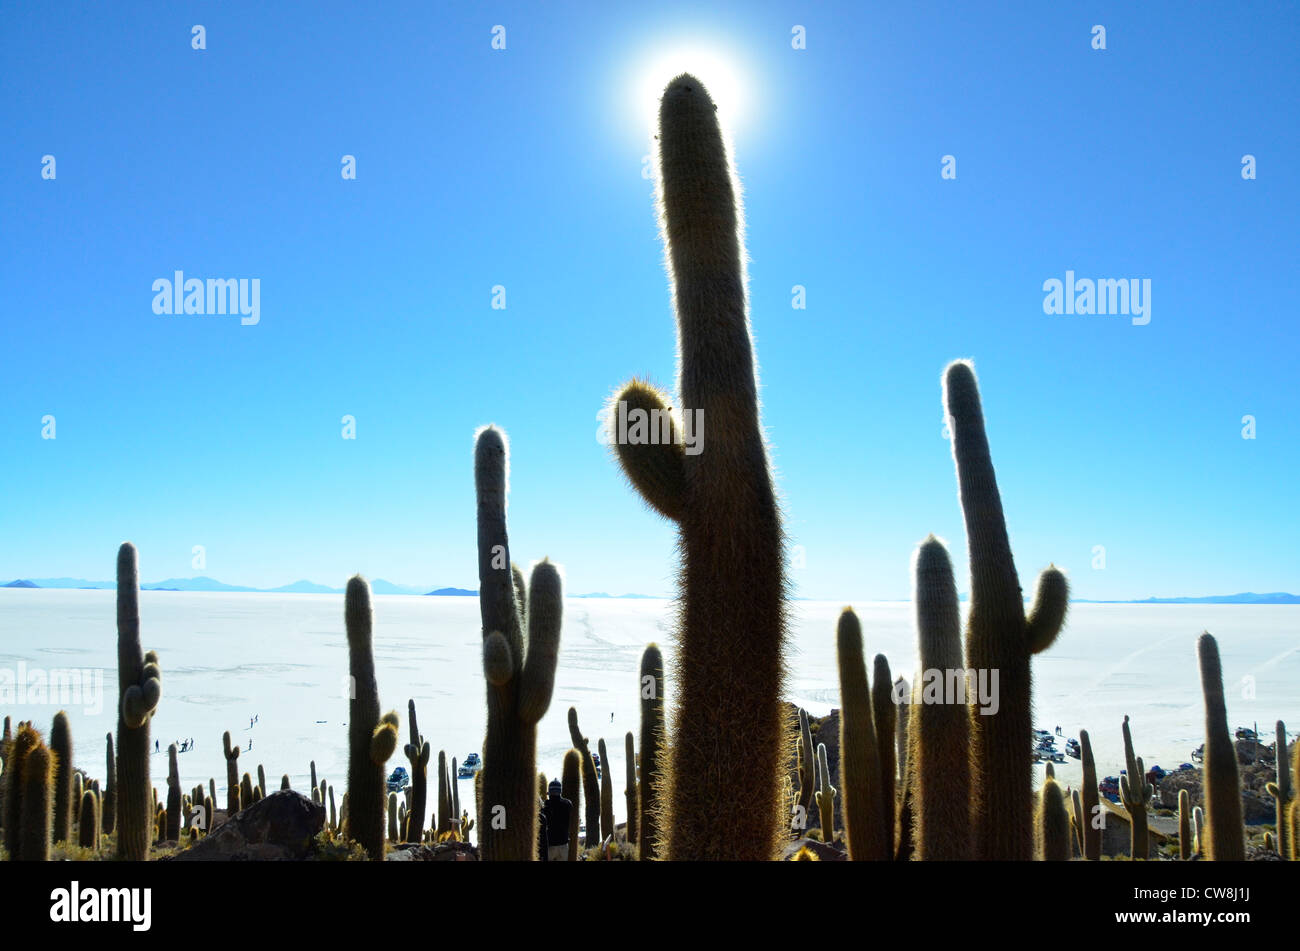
139 679
825 796
520 675
1281 792
1053 824
61 751
940 731
569 783
1222 788
417 753
629 792
653 739
233 791
865 824
1091 800
999 637
173 795
371 740
1135 792
590 781
724 778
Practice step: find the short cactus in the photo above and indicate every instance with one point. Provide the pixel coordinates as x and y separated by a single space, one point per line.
139 679
64 803
570 783
88 822
261 781
393 834
1226 841
520 674
1136 794
1198 828
1091 800
233 791
24 742
630 790
825 796
1281 792
940 731
653 738
1185 844
246 791
372 740
806 762
999 636
173 795
865 822
417 754
1053 824
37 778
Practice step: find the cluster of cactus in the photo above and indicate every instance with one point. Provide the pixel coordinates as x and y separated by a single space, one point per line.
520 674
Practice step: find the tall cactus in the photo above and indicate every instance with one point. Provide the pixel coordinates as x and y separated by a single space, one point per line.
6 738
520 674
940 731
999 636
570 783
630 791
371 739
394 834
173 795
1226 841
590 781
1281 793
724 781
825 796
233 791
1091 800
64 803
806 761
444 795
865 823
139 680
1136 794
1053 824
653 739
315 785
417 753
885 712
1198 827
19 749
1076 819
261 780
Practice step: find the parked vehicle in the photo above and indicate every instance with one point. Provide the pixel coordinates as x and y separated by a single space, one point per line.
471 766
399 780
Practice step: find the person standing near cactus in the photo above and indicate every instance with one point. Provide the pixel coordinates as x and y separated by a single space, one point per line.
556 813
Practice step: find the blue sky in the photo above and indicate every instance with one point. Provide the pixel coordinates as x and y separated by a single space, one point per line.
523 167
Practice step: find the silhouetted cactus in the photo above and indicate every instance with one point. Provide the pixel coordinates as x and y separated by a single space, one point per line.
371 740
1076 820
444 795
233 791
285 783
61 750
334 817
245 791
1185 844
1136 793
724 781
417 754
261 781
590 781
520 676
865 822
653 738
940 730
630 790
825 796
393 834
1091 800
806 762
1222 787
315 784
999 637
1198 826
570 785
606 794
1281 792
173 795
902 731
885 713
37 778
1053 824
139 680
87 822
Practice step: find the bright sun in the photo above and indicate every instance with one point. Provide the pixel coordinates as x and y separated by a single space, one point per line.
719 73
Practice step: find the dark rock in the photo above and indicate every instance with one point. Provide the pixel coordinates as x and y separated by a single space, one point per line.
826 853
442 852
281 827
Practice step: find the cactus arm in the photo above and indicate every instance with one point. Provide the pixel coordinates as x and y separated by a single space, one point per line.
656 466
545 614
1047 616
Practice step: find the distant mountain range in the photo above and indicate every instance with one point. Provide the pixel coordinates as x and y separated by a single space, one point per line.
380 586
